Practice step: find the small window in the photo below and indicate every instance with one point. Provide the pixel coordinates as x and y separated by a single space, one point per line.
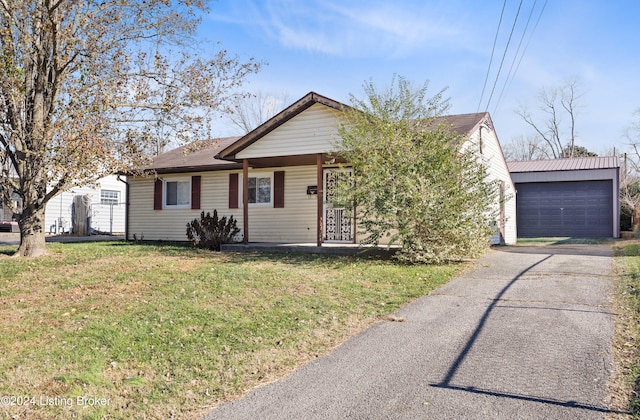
259 190
177 194
109 198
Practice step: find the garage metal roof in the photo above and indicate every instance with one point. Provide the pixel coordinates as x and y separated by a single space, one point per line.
568 164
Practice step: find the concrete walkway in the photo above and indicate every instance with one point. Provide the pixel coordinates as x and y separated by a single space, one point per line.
527 334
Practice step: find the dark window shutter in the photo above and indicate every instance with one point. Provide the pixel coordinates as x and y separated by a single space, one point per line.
278 189
157 195
233 191
195 192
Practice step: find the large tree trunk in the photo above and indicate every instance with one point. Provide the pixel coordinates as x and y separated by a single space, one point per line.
32 243
635 221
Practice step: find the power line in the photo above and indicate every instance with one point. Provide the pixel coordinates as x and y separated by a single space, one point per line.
506 48
523 51
515 57
486 78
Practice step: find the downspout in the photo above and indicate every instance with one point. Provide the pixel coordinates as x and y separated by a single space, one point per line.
126 207
616 195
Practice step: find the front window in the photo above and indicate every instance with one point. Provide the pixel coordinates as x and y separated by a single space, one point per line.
177 193
259 190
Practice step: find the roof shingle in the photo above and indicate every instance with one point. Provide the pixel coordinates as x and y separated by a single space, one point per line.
194 156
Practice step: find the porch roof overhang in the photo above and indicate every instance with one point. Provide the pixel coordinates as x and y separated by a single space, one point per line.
194 168
291 160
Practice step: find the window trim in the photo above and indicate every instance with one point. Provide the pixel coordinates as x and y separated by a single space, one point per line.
259 175
112 200
165 182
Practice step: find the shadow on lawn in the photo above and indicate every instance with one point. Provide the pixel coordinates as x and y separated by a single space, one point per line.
8 250
295 258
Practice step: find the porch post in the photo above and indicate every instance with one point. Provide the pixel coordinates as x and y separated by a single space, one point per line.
245 199
319 198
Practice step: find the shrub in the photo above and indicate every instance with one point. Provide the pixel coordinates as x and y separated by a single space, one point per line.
413 181
210 232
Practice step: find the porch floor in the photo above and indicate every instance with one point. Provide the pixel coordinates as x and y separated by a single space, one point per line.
312 248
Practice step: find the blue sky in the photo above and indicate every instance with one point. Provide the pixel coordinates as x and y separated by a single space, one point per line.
333 46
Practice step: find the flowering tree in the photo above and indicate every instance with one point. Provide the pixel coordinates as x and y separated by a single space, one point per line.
87 86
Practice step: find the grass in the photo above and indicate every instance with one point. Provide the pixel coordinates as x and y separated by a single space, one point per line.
627 341
563 241
168 331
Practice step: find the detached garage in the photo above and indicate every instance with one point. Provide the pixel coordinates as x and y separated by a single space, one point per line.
576 197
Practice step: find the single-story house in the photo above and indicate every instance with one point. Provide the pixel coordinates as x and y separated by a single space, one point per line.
277 180
577 197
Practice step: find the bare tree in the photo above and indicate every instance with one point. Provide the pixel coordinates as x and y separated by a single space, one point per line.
630 197
526 148
557 127
630 174
85 85
250 111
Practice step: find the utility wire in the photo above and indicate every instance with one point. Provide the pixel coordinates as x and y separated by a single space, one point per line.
515 57
506 48
529 41
495 40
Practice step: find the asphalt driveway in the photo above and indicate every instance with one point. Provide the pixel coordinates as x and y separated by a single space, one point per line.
526 334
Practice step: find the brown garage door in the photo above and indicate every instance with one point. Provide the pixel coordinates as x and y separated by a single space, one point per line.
578 209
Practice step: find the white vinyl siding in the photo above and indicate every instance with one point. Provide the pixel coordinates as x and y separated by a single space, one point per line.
171 225
295 223
493 158
313 131
104 217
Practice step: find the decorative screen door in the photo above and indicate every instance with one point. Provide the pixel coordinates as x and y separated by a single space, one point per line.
338 227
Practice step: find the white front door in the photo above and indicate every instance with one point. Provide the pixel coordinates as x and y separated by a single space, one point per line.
338 227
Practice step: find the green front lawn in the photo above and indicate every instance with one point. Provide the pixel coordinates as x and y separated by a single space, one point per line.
120 330
626 387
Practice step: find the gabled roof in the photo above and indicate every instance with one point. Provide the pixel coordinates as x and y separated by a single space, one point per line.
462 124
283 116
465 124
568 164
219 154
196 156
